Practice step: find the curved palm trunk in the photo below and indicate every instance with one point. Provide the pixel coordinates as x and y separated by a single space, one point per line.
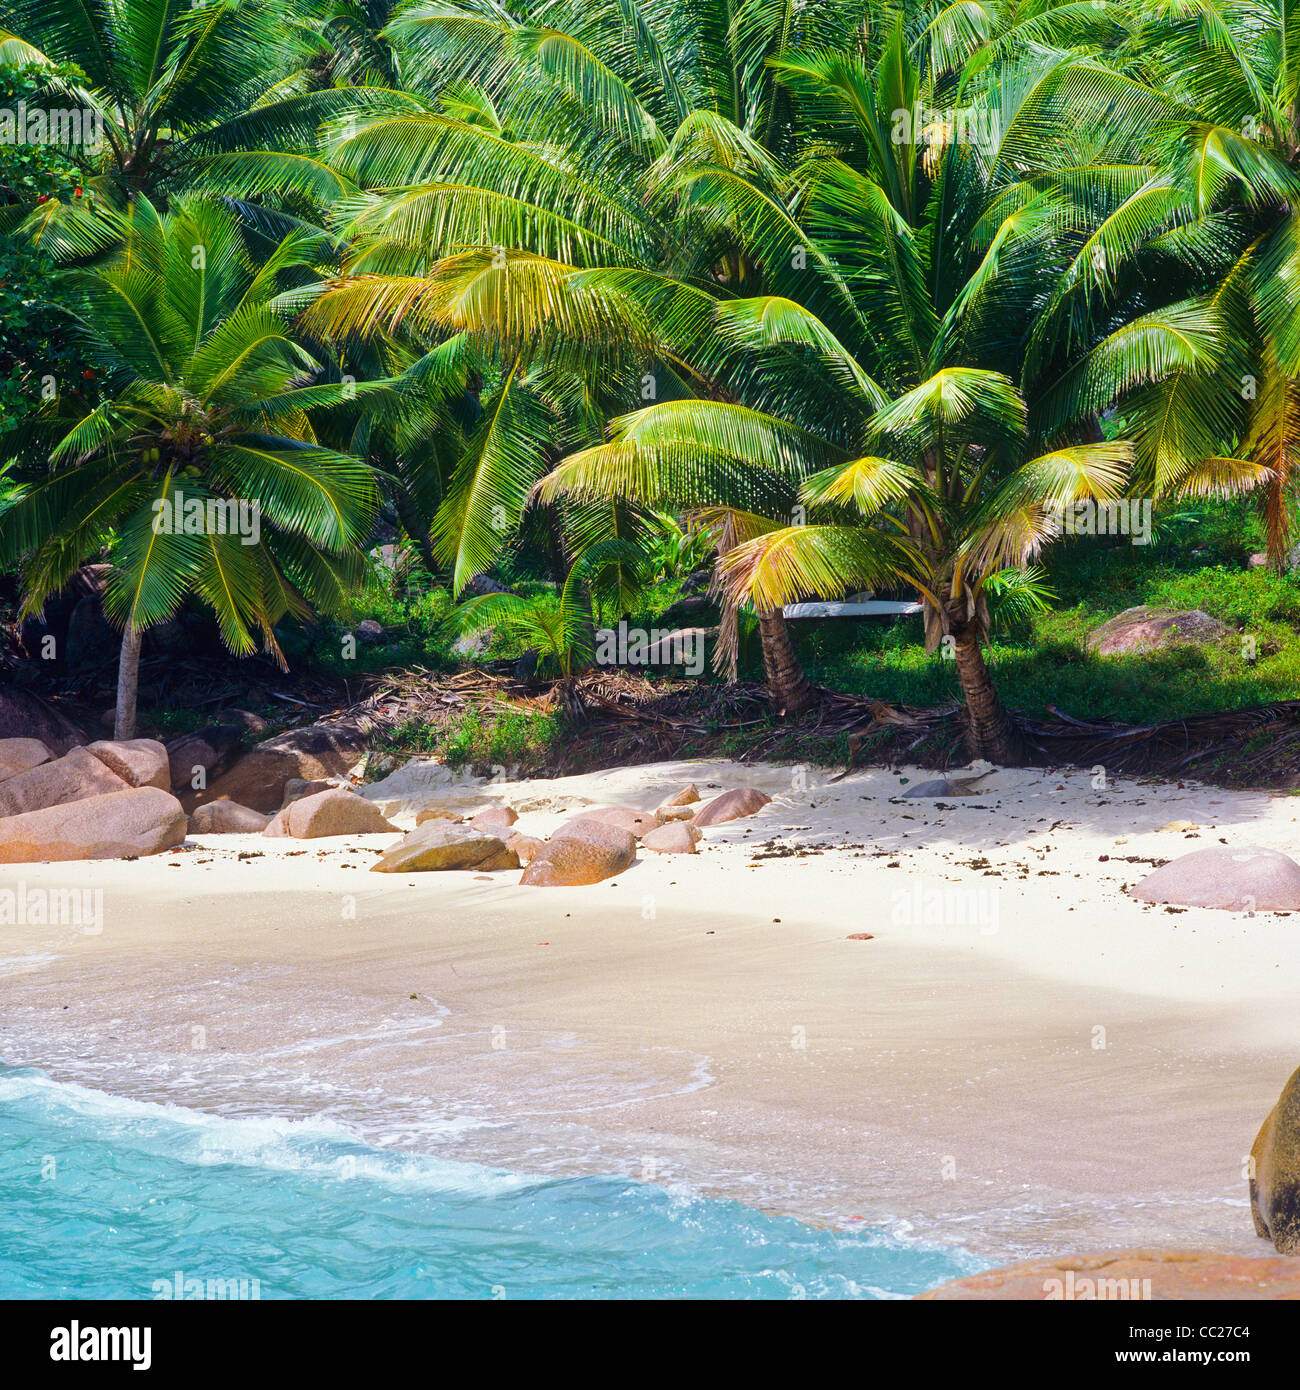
128 683
990 733
790 689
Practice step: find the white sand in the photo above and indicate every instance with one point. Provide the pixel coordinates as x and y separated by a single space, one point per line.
1022 1060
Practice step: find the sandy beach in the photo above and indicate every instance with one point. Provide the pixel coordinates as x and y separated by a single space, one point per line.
1021 1060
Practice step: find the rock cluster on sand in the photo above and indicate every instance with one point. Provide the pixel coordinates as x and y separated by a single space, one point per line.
1124 1274
1275 1187
743 801
445 845
597 844
85 804
314 752
333 812
1247 878
113 825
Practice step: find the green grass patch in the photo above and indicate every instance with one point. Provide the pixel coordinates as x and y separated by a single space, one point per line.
482 739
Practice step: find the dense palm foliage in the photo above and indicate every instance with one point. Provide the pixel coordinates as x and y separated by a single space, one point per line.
866 294
205 398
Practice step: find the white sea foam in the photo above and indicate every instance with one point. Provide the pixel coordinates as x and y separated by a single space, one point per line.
313 1145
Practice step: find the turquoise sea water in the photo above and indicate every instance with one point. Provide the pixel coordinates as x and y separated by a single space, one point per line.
107 1198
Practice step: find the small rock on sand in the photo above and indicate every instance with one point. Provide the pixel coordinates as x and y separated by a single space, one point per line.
525 846
495 818
732 805
333 812
227 818
439 845
587 853
674 838
688 796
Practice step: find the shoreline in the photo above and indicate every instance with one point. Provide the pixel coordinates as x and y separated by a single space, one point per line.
945 1080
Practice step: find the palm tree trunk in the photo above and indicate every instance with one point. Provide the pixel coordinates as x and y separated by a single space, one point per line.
1276 525
990 733
414 526
128 683
790 689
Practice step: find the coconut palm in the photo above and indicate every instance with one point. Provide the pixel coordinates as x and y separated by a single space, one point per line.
1232 154
980 287
198 470
559 139
223 95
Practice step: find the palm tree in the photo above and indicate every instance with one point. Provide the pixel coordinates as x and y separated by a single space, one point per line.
199 469
1233 154
976 295
559 139
223 95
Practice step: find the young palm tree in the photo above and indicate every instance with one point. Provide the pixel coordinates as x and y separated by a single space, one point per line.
563 632
199 470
